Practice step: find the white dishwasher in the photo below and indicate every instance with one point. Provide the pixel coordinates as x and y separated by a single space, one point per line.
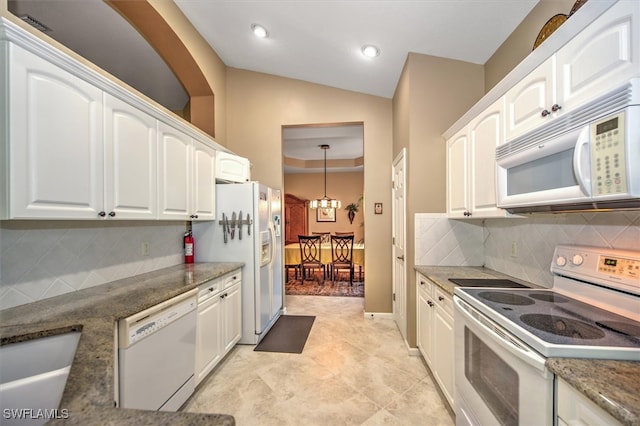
156 352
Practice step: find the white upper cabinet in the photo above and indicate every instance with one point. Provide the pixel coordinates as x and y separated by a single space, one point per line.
186 176
204 182
232 168
604 56
54 142
485 134
457 174
174 173
76 144
130 161
529 103
471 166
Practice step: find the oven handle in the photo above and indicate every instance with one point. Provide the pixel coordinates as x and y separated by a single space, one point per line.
502 337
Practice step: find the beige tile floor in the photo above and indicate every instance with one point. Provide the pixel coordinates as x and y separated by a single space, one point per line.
353 371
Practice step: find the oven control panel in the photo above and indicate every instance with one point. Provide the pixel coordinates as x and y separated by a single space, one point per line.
619 266
609 267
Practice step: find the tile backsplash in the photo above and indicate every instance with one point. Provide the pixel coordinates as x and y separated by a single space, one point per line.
534 237
41 259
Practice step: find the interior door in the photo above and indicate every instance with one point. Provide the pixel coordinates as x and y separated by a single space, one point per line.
399 238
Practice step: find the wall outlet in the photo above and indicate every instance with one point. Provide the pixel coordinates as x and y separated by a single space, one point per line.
144 250
514 249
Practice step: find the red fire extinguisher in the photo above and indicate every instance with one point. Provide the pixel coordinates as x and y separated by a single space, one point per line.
189 247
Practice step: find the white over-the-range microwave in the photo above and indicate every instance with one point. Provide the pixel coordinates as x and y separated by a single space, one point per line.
587 159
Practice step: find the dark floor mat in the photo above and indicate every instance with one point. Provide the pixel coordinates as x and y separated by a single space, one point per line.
288 334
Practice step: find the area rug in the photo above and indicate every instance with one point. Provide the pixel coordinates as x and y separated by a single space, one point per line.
288 334
315 286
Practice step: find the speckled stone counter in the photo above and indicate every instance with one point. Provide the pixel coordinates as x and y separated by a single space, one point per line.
440 275
613 385
89 392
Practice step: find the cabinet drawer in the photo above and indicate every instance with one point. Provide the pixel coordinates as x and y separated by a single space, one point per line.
232 279
424 285
443 300
209 288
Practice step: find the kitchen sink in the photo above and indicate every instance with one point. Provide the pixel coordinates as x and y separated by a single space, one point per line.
33 375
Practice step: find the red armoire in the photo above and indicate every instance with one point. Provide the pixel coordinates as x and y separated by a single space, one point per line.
296 218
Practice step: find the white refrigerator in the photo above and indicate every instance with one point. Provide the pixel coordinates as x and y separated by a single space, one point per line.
248 229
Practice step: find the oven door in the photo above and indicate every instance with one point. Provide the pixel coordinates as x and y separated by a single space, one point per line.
499 380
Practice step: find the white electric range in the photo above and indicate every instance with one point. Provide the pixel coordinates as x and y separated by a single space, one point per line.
505 335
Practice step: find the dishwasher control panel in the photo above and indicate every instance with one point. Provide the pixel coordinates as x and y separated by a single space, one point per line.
138 326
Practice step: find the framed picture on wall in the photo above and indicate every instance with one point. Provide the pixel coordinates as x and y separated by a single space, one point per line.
325 215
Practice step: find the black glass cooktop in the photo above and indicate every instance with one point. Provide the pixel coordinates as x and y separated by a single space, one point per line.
486 282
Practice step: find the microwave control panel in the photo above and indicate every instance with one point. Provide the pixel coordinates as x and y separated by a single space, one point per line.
608 159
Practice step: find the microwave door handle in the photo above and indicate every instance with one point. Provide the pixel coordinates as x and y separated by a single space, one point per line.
582 161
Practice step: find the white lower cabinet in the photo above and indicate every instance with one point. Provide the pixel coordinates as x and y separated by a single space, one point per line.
435 333
575 409
219 324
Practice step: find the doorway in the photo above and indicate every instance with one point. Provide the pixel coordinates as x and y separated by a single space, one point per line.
335 172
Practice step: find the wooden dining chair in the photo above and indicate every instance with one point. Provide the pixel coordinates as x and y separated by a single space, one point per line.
324 236
311 255
341 255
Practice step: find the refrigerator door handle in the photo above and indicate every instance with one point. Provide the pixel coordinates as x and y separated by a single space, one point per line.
272 244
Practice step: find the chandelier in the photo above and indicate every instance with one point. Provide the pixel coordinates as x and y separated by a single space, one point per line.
325 202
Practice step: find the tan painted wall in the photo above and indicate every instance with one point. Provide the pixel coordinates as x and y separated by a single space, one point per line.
208 60
258 105
432 94
345 187
520 43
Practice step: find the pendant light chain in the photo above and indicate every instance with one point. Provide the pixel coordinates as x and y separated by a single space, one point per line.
325 202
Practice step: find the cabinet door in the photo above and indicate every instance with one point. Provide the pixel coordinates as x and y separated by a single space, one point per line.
204 180
604 56
425 319
208 336
232 168
232 316
55 140
527 100
443 352
457 177
573 408
130 161
174 173
485 134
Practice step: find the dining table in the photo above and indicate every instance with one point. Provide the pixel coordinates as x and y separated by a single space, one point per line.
292 254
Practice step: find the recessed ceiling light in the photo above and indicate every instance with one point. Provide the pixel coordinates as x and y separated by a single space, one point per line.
370 51
259 31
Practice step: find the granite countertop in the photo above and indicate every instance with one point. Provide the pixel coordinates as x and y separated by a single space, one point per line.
89 392
612 385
